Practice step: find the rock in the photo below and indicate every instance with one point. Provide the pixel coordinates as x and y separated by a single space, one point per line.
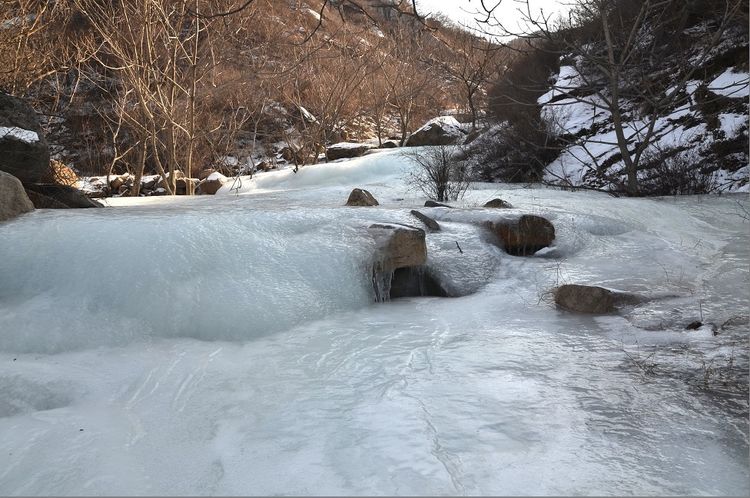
59 197
345 150
24 152
361 197
178 175
399 245
432 204
43 202
116 182
182 185
416 281
525 236
429 222
584 299
212 183
13 198
694 325
205 173
443 130
149 183
498 203
60 174
389 144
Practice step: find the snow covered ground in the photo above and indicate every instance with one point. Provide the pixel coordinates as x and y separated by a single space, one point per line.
229 344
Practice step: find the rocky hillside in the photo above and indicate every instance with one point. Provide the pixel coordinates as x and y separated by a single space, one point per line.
272 83
680 109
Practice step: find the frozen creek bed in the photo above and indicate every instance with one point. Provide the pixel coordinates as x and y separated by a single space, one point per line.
229 345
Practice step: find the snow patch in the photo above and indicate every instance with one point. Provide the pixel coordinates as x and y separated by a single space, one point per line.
731 84
26 136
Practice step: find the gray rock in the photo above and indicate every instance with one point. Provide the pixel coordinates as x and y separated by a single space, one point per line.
346 150
13 198
585 299
59 197
432 204
429 222
498 203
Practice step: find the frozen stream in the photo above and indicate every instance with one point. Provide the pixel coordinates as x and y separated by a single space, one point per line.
229 345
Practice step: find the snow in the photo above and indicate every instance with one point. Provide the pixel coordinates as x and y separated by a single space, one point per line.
732 124
216 176
731 84
235 341
449 124
568 79
20 134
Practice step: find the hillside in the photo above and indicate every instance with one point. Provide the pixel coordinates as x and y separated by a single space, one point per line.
679 101
273 83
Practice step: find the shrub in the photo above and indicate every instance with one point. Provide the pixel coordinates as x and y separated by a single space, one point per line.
440 174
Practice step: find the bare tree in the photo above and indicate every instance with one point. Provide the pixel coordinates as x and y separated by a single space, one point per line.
617 51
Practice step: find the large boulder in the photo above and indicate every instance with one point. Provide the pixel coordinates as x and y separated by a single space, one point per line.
45 196
212 183
443 130
361 197
345 150
24 152
585 299
13 198
525 236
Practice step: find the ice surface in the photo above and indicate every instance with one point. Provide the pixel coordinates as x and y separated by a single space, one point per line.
230 345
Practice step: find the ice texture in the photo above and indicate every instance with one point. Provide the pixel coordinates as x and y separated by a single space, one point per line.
231 345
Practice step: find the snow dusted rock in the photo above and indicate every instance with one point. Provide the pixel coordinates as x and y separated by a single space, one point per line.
361 197
345 150
433 204
498 203
399 245
13 199
212 183
585 299
443 130
23 150
429 222
525 236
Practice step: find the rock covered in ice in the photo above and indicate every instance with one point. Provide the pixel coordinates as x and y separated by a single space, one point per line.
399 245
